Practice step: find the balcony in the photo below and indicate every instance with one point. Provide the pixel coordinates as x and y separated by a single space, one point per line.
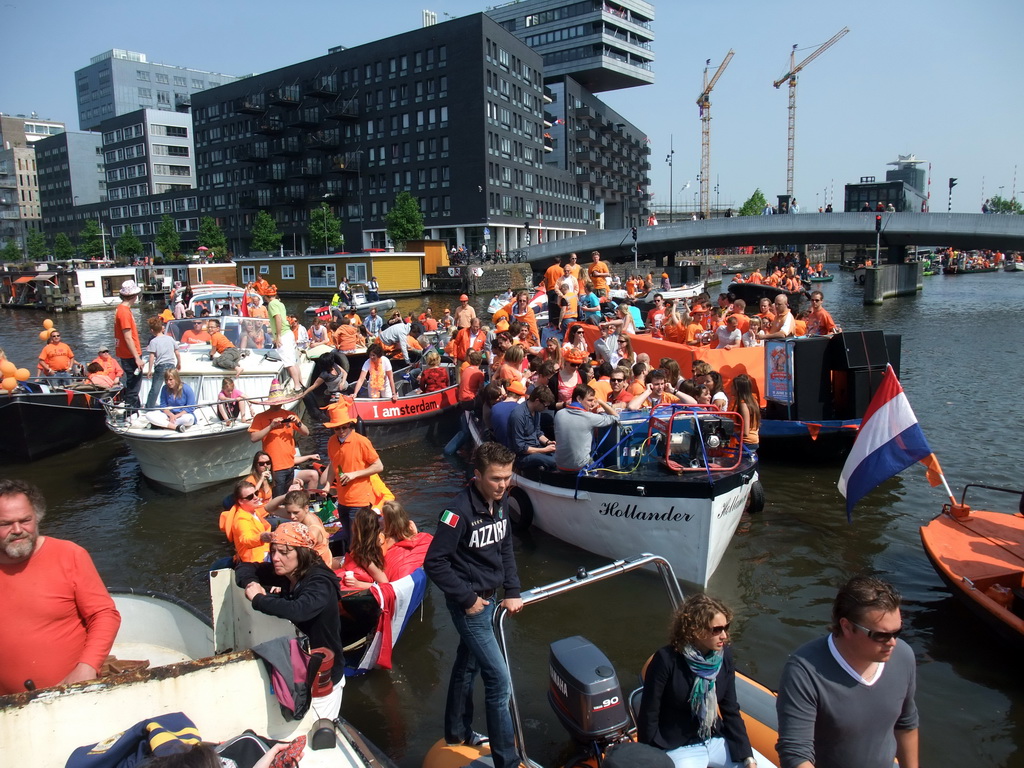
329 191
326 140
269 126
251 153
272 174
253 104
309 168
346 162
289 199
285 95
248 201
289 145
322 86
307 117
342 109
182 101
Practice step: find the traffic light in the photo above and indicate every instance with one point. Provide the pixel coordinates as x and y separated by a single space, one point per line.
633 233
952 183
878 223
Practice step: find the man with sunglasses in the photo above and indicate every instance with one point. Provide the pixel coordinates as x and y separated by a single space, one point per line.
847 700
56 360
819 321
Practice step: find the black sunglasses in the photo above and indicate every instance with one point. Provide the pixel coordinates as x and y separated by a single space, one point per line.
250 497
877 636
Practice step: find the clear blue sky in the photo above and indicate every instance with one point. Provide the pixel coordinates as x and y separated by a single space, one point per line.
936 78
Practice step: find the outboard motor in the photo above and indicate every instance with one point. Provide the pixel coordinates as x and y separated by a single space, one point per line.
584 691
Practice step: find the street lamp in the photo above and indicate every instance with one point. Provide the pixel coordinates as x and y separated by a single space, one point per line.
671 186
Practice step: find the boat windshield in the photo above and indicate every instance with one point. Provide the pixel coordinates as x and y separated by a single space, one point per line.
243 332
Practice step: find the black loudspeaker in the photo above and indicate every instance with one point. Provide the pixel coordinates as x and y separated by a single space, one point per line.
853 391
812 384
856 350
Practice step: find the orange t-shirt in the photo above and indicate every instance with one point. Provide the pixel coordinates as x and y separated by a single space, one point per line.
57 357
742 321
191 337
675 333
693 332
220 342
598 275
347 338
602 388
279 442
125 320
552 275
57 613
470 383
356 453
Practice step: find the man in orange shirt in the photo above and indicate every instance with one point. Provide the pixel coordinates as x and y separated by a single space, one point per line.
276 428
352 462
552 276
59 620
109 363
196 334
819 321
467 339
599 273
56 360
654 393
126 343
739 309
755 276
574 270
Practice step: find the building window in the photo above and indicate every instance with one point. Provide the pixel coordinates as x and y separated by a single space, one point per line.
162 78
145 93
248 274
356 273
322 275
178 80
142 75
199 84
287 271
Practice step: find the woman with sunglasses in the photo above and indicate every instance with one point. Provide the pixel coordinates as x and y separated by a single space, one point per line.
246 526
261 476
689 707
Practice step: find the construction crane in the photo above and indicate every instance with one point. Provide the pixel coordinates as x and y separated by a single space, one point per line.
704 103
791 77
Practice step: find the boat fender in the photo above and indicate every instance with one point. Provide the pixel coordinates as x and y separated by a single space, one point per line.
520 510
755 502
321 735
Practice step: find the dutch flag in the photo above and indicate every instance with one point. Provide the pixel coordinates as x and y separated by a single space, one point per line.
889 441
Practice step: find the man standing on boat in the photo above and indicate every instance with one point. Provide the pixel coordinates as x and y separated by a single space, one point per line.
276 428
284 337
126 344
847 700
59 620
463 314
470 559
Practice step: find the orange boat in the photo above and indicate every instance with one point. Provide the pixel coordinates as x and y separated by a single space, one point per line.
980 555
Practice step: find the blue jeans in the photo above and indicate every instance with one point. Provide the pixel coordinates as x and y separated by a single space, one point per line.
478 652
156 383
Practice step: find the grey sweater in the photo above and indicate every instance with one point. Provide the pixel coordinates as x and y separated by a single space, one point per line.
833 721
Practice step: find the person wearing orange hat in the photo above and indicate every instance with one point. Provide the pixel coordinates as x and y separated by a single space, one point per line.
352 462
296 585
463 313
276 428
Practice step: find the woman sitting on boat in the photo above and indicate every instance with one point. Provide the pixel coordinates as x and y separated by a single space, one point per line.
177 404
261 476
255 336
512 365
297 586
364 562
745 404
377 369
576 339
98 377
552 351
328 378
433 377
689 707
245 525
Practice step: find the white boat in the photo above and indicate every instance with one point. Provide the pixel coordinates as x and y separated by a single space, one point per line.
214 297
682 292
661 487
357 292
201 669
1013 266
212 451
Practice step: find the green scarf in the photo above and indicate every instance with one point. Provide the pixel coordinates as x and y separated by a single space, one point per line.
703 701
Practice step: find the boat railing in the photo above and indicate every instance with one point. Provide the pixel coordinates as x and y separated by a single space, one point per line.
583 578
207 414
947 508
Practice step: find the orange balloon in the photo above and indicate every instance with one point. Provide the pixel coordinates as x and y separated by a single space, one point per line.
22 374
45 335
10 383
47 323
7 368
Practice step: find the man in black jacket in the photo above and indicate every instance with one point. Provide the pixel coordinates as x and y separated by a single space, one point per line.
470 558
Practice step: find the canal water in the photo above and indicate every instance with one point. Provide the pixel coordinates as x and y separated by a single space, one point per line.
961 371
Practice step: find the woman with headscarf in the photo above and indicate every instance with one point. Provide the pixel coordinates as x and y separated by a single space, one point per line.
689 707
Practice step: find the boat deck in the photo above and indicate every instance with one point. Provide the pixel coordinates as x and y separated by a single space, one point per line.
984 546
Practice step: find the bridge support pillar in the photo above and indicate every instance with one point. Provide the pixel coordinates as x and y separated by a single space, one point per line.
887 281
895 254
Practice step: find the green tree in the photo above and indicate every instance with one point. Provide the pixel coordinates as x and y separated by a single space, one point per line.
91 240
129 246
1000 204
12 251
167 240
35 244
265 236
755 204
63 248
404 220
211 236
324 229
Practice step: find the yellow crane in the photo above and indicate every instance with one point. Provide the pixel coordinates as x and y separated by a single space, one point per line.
704 103
791 77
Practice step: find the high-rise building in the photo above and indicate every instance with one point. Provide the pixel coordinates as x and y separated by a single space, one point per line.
20 210
603 45
72 181
21 131
117 81
452 113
